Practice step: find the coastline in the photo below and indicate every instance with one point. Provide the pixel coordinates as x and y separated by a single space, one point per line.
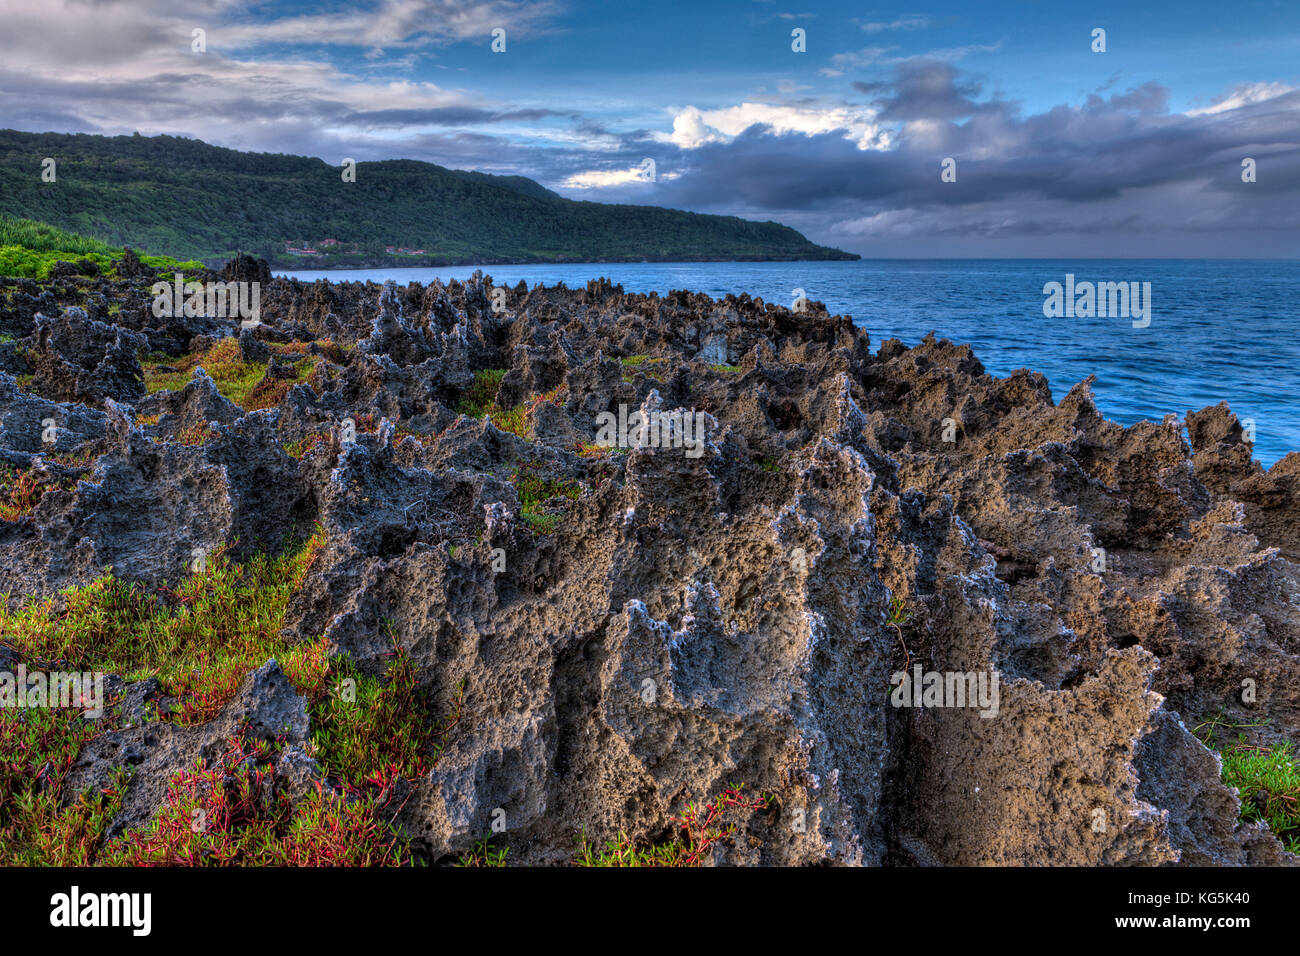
794 519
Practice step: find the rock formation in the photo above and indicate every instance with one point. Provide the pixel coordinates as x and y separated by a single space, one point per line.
725 606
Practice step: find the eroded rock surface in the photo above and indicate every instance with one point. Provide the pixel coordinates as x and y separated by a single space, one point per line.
684 618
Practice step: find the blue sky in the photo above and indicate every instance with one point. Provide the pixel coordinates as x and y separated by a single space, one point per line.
1059 150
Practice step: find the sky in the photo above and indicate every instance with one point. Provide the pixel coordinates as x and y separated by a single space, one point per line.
1057 149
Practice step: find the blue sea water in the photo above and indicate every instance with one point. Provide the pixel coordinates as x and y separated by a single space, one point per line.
1220 330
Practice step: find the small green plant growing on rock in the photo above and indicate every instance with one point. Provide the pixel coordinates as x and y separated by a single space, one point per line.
483 854
482 394
480 401
198 434
699 827
231 814
650 366
303 447
385 727
20 492
897 617
1266 778
535 495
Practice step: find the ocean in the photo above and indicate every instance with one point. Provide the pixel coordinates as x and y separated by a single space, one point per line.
1217 330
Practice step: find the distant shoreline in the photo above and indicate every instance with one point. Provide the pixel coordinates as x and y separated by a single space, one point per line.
319 264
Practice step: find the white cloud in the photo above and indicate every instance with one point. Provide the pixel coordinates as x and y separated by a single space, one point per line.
693 128
902 23
604 178
1243 96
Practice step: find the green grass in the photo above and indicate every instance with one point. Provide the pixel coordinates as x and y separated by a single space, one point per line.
480 401
481 395
384 728
30 249
1267 779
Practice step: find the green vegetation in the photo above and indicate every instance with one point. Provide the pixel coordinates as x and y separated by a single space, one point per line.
217 625
30 249
479 401
898 613
897 617
20 491
1267 779
227 815
536 494
244 383
482 854
697 828
37 748
221 622
482 395
372 730
205 202
646 364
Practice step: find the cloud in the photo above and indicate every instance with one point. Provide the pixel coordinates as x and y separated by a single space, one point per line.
1149 98
924 90
878 55
1117 176
1243 96
694 128
444 116
903 23
604 178
856 165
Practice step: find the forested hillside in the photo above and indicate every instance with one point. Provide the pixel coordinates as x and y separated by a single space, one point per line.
188 199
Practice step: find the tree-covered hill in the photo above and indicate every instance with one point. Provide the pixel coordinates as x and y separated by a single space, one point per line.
189 199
